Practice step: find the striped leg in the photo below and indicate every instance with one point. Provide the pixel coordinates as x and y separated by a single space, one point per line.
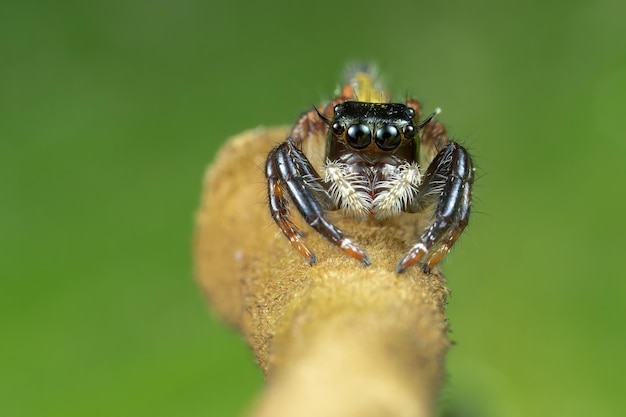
285 171
448 183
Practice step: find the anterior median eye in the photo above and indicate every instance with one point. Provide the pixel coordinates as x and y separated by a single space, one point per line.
359 136
387 138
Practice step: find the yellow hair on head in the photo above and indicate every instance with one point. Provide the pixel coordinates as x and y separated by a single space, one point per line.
364 85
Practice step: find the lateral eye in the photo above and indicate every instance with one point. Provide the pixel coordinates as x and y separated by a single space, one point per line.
409 131
388 137
337 128
359 136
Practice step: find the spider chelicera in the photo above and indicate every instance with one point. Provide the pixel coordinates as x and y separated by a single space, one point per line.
371 165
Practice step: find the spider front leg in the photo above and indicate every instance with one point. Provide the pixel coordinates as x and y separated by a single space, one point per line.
448 183
286 170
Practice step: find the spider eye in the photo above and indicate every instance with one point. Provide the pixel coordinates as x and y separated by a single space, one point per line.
337 128
359 136
388 138
409 131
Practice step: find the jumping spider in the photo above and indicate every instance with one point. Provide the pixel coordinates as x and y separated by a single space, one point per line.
371 166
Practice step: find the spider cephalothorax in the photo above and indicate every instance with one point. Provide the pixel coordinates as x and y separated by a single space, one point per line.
371 167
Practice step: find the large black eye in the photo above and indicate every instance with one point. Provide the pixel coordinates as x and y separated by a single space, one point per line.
359 136
387 138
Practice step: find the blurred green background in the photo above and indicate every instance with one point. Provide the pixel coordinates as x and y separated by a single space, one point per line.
110 112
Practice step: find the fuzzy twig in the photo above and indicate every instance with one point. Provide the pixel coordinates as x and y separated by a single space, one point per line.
335 339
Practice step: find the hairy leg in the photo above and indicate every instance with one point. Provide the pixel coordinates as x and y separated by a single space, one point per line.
447 183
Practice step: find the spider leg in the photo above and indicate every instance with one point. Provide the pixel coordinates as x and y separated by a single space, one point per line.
285 170
433 139
280 212
448 183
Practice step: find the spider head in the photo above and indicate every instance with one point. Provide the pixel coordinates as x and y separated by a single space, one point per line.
375 129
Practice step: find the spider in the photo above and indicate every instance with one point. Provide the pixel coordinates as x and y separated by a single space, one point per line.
371 163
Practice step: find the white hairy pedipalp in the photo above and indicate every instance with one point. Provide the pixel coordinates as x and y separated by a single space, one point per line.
385 192
349 190
396 190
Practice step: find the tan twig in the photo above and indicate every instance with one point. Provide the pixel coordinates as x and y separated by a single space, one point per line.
335 339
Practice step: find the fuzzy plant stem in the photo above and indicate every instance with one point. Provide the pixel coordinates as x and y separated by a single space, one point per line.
333 339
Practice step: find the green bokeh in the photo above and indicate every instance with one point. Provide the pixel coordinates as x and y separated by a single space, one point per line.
110 111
